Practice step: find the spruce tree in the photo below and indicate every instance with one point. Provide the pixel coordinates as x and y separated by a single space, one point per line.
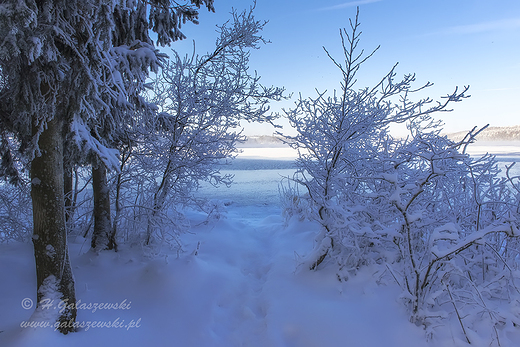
68 67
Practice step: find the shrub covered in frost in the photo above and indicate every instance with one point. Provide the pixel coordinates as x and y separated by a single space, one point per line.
442 224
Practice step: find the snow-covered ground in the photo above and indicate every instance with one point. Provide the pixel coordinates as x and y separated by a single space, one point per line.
240 289
237 283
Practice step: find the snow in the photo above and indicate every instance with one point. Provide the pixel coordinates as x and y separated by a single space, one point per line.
109 156
239 283
242 288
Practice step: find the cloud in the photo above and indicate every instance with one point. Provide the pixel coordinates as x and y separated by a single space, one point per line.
347 4
478 28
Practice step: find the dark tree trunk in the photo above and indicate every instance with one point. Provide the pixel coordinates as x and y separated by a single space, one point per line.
103 237
53 270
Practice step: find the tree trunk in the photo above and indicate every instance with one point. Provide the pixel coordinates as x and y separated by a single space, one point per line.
69 192
159 199
53 271
117 217
68 182
102 237
125 155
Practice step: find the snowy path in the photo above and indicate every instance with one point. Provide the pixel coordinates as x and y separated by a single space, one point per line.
241 289
241 308
268 303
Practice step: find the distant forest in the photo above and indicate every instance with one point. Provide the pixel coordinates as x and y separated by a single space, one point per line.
510 133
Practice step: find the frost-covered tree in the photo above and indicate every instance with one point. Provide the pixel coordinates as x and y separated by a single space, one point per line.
134 49
69 65
202 100
442 224
330 130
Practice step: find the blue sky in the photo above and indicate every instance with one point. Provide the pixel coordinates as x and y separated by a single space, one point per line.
448 42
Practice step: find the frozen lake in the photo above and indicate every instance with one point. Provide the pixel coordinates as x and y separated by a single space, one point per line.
506 153
258 171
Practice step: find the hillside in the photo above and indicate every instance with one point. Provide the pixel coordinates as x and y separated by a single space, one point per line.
510 133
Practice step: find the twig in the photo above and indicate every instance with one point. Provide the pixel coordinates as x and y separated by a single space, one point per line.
458 314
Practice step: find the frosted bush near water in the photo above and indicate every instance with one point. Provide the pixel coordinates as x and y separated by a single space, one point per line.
388 202
458 289
292 203
201 100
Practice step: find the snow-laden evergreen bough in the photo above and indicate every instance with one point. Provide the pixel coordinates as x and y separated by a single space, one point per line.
443 225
